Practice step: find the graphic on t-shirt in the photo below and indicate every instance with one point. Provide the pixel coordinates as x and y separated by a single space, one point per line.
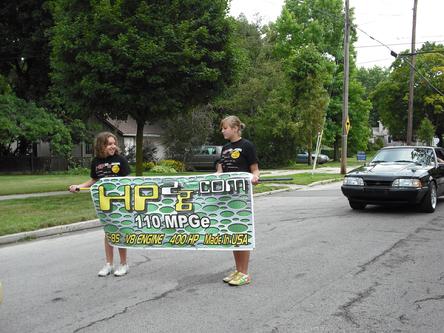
236 153
238 156
115 168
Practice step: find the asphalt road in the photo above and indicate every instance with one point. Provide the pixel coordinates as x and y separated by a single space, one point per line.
318 266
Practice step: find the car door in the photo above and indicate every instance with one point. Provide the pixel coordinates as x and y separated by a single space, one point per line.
440 170
207 157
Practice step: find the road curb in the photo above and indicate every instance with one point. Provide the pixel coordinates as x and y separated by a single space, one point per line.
62 229
327 181
273 192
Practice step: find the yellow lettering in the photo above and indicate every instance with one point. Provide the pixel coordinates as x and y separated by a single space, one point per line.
105 201
181 205
140 200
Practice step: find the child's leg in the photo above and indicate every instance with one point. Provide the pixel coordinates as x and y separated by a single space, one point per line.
122 253
109 252
241 259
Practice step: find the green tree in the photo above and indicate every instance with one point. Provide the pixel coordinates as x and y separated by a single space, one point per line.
141 58
308 72
391 96
370 78
24 48
187 130
260 95
25 123
307 38
426 132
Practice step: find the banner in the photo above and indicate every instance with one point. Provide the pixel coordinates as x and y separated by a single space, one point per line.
202 212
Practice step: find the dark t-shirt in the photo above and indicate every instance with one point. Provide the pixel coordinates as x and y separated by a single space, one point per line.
111 166
238 156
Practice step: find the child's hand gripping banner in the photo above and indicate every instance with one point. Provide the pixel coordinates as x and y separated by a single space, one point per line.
204 212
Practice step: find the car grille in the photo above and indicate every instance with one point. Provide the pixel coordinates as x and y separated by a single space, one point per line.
378 183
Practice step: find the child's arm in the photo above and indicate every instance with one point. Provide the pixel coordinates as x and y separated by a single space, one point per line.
88 183
254 169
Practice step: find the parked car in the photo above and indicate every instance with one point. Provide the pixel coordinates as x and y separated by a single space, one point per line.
407 174
303 158
203 158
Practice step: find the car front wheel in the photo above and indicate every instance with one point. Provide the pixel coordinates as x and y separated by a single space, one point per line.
428 204
357 205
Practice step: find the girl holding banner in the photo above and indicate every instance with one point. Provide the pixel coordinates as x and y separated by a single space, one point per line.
239 155
107 163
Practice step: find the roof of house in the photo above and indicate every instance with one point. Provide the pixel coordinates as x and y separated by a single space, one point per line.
129 127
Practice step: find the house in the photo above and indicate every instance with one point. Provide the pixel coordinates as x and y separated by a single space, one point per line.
380 132
82 153
126 130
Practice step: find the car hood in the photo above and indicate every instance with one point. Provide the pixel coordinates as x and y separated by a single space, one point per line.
391 169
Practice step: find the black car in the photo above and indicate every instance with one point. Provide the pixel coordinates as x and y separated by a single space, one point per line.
203 158
405 174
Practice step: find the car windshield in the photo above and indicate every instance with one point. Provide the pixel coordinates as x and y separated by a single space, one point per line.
423 156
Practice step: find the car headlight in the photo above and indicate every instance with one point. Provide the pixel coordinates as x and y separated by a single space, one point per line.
356 181
406 182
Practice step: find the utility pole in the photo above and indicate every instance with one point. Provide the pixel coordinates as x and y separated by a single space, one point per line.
345 93
412 78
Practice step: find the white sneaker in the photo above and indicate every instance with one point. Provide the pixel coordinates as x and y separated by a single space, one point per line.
122 270
106 270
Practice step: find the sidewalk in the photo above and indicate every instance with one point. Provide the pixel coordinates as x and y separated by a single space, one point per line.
318 170
78 226
30 195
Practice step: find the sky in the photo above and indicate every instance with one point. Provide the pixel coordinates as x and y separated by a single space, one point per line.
388 21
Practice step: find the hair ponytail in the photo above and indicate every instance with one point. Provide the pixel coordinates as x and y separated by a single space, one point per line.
233 121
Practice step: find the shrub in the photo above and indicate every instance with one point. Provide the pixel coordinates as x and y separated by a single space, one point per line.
148 166
176 165
78 171
163 169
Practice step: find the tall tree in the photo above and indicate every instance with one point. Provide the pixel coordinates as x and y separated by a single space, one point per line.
24 47
391 95
309 75
320 23
260 95
304 35
141 58
23 123
370 78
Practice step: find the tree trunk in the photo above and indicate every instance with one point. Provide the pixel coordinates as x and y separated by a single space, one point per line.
336 148
139 148
309 150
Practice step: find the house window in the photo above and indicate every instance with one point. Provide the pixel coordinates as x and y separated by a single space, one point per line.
88 148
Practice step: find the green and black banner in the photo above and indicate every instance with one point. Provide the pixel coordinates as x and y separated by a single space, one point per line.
203 212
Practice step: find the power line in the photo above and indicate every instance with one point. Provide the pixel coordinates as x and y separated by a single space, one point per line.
370 61
397 44
394 54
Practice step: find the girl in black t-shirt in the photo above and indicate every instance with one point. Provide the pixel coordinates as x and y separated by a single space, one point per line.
239 155
107 163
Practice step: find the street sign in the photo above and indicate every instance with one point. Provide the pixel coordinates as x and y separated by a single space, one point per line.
361 156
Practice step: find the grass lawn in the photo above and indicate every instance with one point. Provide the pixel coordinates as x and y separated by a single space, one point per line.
35 213
20 184
308 178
